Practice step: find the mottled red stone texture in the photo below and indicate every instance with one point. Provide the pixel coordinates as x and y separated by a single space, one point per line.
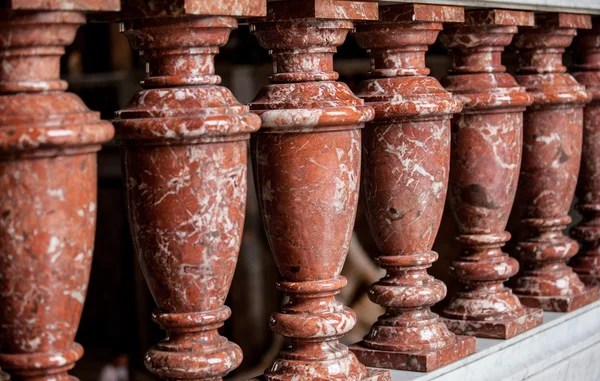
306 160
587 262
552 141
184 163
168 8
406 159
48 145
486 154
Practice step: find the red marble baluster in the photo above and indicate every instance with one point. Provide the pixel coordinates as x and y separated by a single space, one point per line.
552 141
307 168
184 164
48 145
406 158
486 154
587 262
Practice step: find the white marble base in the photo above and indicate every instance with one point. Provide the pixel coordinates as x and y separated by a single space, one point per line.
566 347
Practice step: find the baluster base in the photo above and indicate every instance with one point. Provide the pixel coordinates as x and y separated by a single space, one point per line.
415 361
566 303
497 329
372 375
546 281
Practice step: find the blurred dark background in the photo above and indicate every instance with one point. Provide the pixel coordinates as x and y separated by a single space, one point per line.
105 72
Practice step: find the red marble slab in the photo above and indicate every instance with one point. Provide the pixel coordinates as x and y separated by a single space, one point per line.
488 17
421 12
163 8
417 360
322 9
563 20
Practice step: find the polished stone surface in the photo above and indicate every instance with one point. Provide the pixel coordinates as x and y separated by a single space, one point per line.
406 160
484 171
552 143
185 163
48 203
306 163
587 262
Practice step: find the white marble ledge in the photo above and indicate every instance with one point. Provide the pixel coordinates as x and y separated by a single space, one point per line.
566 347
591 7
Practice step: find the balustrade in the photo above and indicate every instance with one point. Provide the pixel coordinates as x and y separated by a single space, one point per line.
469 139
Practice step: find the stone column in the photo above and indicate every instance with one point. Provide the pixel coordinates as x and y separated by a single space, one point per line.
48 145
307 168
552 141
406 159
184 164
484 170
587 262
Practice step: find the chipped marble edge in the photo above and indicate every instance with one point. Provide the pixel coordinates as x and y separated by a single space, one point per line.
492 347
580 6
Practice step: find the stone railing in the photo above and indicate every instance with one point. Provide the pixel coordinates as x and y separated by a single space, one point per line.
479 139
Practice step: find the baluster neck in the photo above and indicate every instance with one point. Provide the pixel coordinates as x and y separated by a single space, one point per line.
477 49
397 49
486 59
303 49
30 49
179 51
